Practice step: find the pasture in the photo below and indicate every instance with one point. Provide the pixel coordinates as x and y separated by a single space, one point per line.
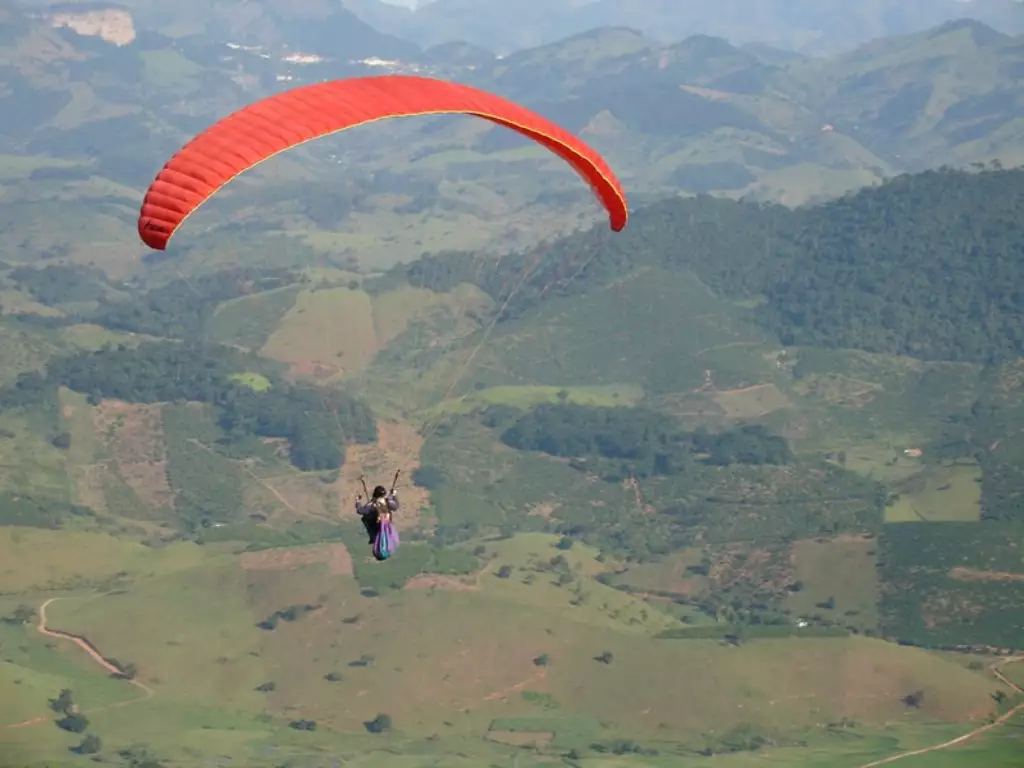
840 573
938 494
469 663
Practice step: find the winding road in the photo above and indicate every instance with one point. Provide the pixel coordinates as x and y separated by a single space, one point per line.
996 668
95 655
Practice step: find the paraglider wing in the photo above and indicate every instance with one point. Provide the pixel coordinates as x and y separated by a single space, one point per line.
284 120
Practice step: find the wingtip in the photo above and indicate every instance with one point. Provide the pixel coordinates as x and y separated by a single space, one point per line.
152 235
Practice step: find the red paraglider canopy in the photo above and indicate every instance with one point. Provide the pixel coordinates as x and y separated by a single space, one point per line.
275 124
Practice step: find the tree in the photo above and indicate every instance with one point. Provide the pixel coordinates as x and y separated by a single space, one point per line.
74 723
64 703
23 614
126 671
90 745
380 724
428 477
913 700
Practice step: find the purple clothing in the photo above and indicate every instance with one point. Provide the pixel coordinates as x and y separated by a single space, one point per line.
385 541
372 522
368 507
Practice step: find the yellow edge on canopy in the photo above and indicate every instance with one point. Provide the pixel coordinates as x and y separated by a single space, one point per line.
485 115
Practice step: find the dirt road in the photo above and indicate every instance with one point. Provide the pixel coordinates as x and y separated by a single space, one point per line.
996 669
95 655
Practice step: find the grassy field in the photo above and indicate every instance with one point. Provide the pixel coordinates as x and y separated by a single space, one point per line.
488 660
646 330
526 397
938 494
30 463
874 407
250 320
35 559
841 572
15 167
255 381
326 333
24 350
190 632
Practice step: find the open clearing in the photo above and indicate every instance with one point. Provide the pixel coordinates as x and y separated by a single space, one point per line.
33 558
334 332
843 569
327 333
117 461
751 402
398 448
670 575
132 435
254 381
464 663
938 494
335 556
474 652
189 632
525 397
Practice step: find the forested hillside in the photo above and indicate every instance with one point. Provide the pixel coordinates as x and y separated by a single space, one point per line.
929 265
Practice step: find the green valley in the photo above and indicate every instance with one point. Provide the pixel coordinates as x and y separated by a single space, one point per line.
736 486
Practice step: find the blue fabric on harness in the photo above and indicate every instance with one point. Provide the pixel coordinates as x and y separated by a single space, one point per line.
386 541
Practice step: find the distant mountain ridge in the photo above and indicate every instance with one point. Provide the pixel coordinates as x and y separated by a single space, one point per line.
91 120
806 26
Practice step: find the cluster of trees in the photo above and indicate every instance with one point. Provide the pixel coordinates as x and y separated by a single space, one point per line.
643 442
73 721
382 723
182 308
971 435
870 271
37 511
291 613
316 423
914 567
23 614
179 309
63 283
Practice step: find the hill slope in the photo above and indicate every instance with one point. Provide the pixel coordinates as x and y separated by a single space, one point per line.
97 119
617 473
807 27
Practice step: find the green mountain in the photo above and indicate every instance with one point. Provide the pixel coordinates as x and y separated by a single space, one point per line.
797 25
94 120
754 446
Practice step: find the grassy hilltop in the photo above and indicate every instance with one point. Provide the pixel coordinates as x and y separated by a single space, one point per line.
660 504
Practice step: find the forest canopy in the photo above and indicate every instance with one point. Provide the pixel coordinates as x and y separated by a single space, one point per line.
635 441
317 423
929 265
